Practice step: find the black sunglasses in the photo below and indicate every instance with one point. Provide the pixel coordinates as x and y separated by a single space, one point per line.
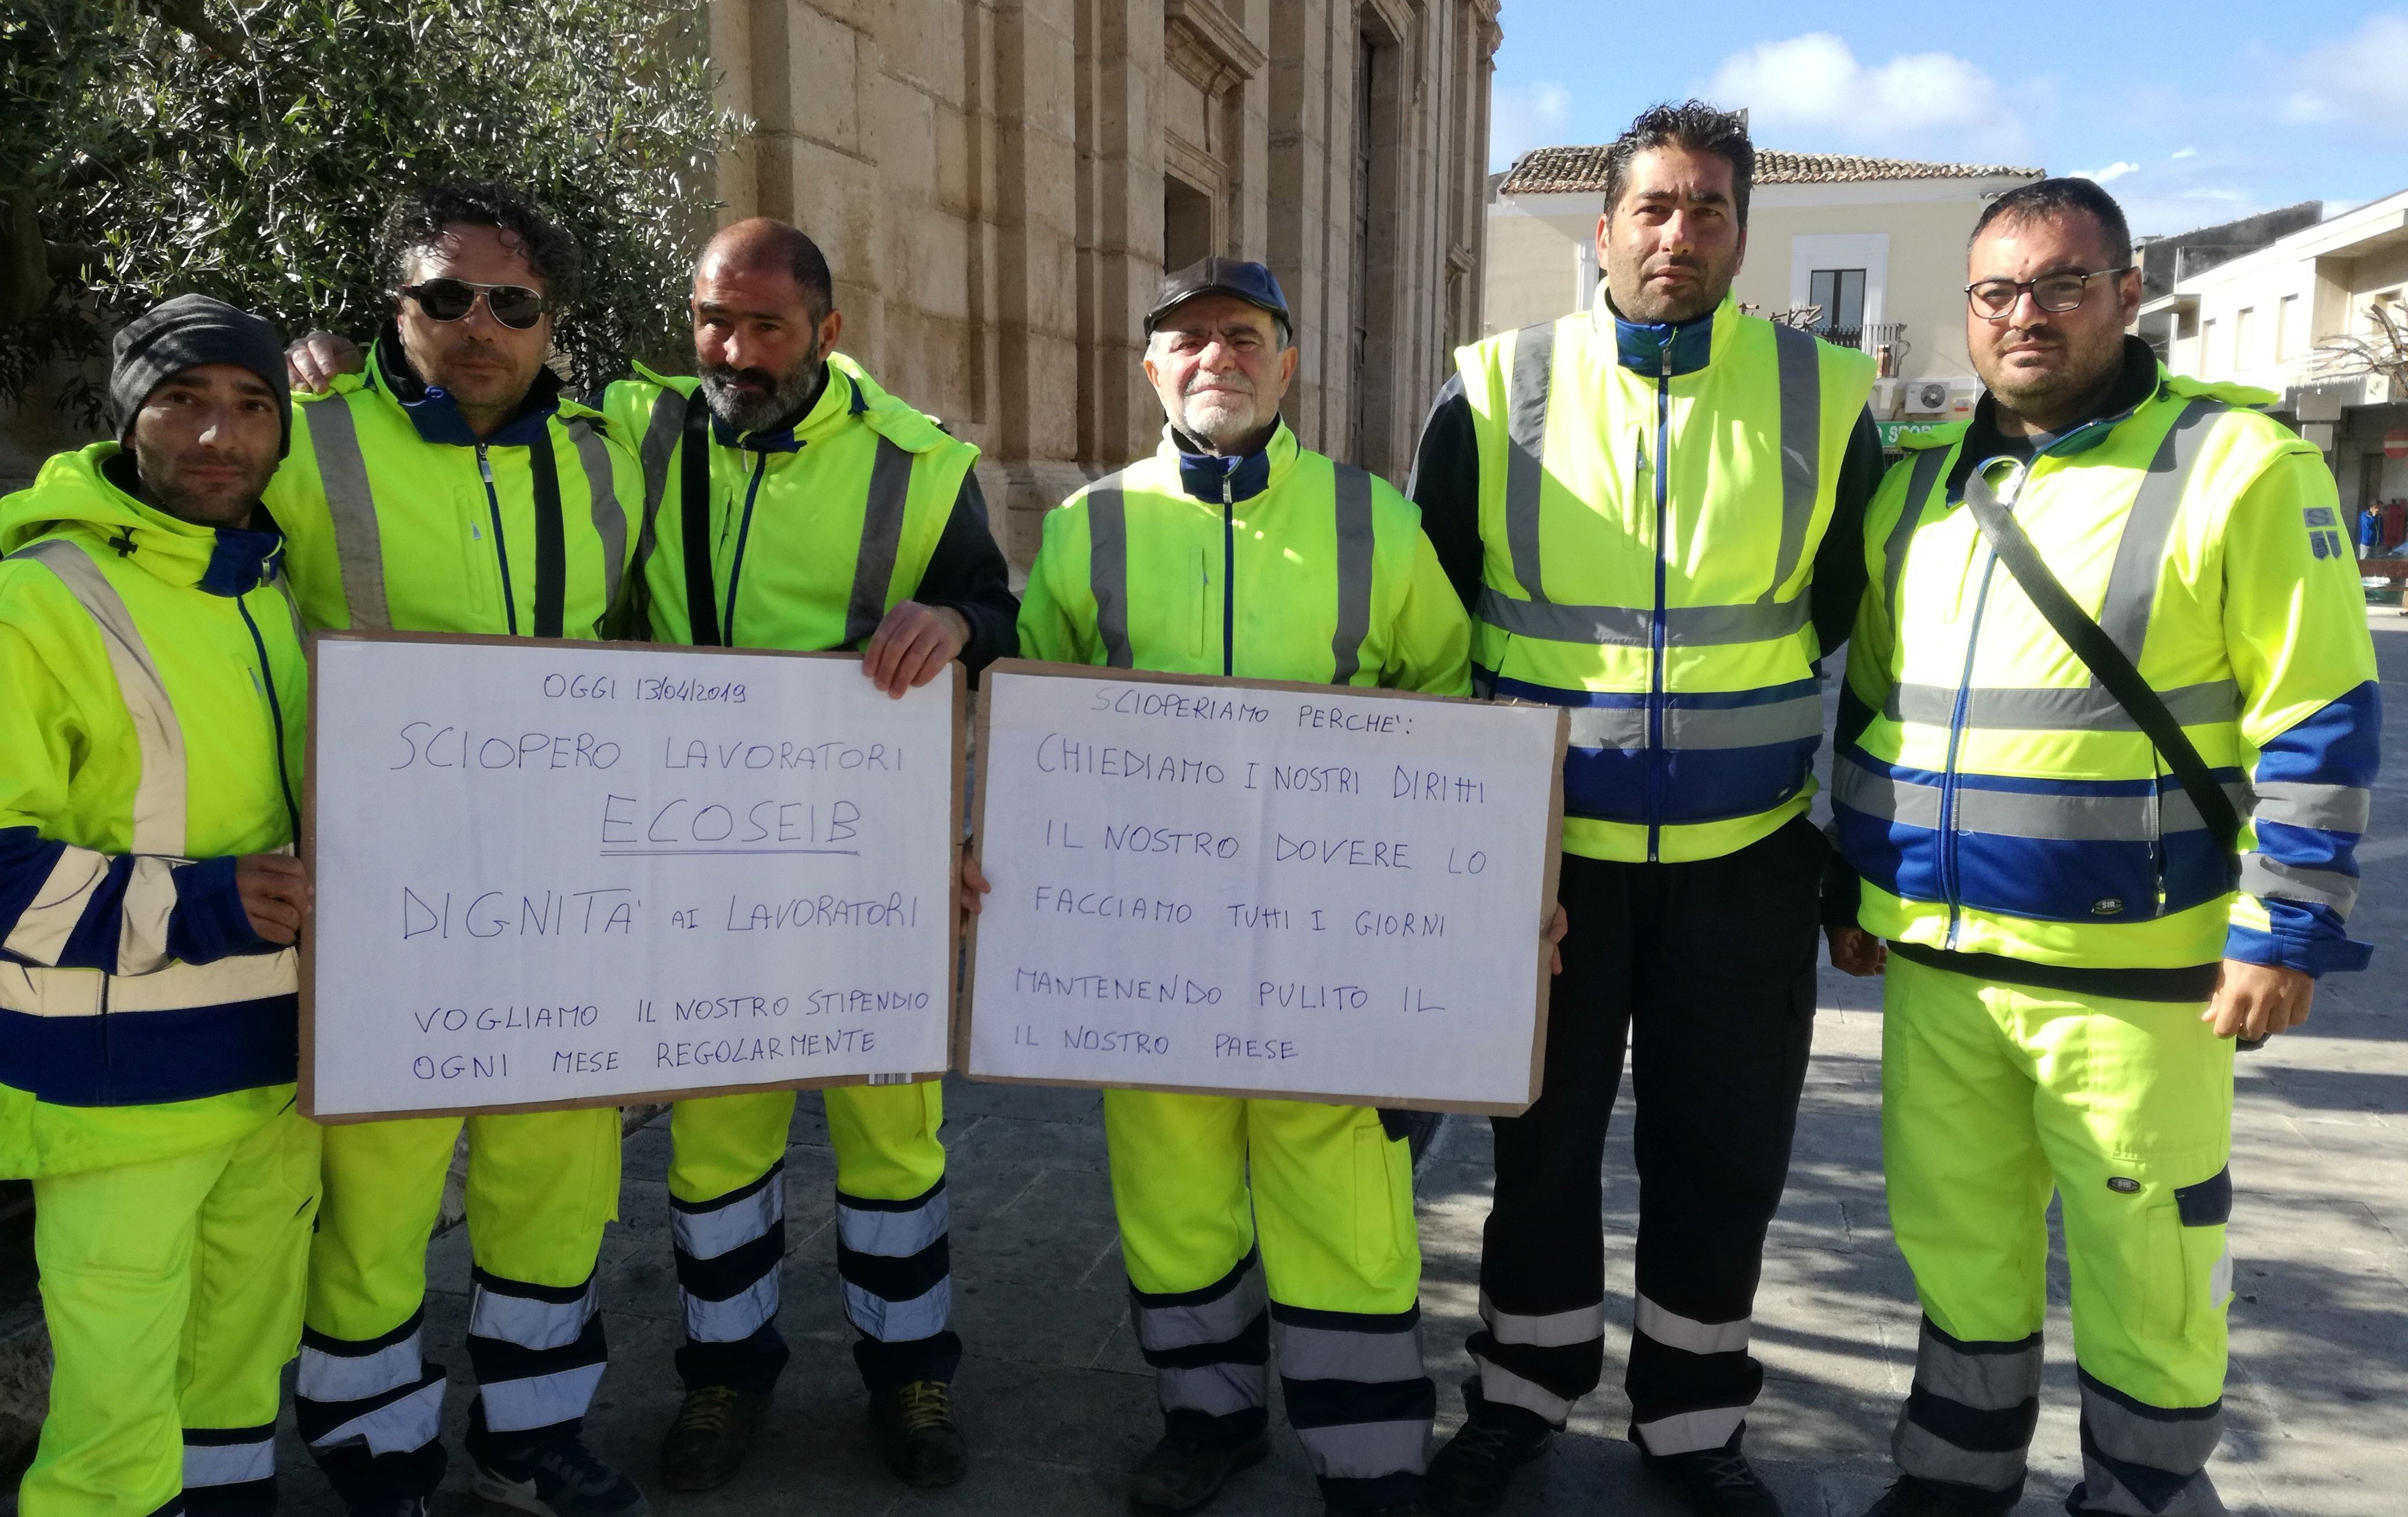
514 305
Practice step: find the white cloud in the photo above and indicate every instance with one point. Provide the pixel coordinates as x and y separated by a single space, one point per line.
2360 80
2182 191
2109 175
1811 93
1525 116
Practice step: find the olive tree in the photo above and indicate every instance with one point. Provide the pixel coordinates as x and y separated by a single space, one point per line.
246 149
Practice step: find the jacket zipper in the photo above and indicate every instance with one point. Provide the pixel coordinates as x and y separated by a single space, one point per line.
743 535
501 549
1228 578
1655 629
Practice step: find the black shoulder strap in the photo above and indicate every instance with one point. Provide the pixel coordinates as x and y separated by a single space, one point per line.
2108 664
551 538
693 519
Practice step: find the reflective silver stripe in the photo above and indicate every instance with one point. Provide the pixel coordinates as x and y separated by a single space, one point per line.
1216 1321
900 1321
881 540
1108 569
351 505
229 1464
341 1376
1801 445
736 1318
1608 726
1552 1330
1354 553
1216 1390
1688 1334
2140 553
159 794
1526 390
1630 626
1926 1455
2219 1278
602 489
142 921
1334 1353
1743 726
706 1234
2262 876
1686 1432
894 1235
2013 813
2178 1445
1919 485
659 446
1985 1381
1501 1385
528 1322
43 928
513 1405
1366 1450
2327 807
2058 708
78 992
411 1423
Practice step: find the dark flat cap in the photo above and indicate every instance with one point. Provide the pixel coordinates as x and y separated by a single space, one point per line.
1250 282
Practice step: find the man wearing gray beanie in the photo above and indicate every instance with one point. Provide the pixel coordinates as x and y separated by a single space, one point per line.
152 692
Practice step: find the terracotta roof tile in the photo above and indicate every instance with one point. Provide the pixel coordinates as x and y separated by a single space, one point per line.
1582 170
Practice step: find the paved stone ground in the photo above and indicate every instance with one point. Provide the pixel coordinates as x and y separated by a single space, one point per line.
1057 1404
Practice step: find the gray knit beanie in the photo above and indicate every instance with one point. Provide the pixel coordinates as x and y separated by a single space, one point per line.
186 333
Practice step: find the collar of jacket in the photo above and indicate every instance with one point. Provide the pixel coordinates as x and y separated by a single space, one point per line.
1200 474
437 416
93 490
1641 345
839 399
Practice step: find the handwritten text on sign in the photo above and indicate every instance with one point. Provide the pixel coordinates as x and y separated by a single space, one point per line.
1224 887
586 873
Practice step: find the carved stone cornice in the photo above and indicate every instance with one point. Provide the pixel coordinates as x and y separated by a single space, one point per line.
1204 45
1394 17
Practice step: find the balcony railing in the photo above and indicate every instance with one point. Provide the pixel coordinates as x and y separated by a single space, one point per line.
1871 338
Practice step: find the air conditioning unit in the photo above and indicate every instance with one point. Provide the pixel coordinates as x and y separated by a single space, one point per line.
1924 397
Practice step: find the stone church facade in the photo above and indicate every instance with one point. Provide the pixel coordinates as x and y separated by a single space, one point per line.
1000 184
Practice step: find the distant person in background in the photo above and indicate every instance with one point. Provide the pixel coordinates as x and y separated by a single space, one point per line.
2370 530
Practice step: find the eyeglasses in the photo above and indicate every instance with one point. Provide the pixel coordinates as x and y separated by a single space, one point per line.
1994 300
514 305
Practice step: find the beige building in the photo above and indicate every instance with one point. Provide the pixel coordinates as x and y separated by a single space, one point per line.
1000 187
1874 246
2273 317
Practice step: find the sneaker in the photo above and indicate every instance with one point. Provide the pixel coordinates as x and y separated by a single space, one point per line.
1909 1498
915 1422
1188 1468
1716 1482
560 1479
1469 1475
706 1444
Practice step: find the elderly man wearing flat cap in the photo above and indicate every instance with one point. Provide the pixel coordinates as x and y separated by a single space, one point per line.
151 698
1234 551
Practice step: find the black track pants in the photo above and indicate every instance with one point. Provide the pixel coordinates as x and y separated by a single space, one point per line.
1707 970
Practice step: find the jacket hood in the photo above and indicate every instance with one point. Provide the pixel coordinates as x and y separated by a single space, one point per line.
82 494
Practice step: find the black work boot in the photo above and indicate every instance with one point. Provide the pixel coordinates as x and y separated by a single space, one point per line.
1911 1497
1713 1483
1469 1475
706 1444
915 1426
559 1478
1191 1464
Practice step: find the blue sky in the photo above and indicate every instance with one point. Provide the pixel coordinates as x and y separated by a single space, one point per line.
2191 114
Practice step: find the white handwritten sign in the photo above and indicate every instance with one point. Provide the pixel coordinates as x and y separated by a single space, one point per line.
1262 889
556 874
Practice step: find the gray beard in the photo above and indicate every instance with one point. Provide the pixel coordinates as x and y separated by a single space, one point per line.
742 412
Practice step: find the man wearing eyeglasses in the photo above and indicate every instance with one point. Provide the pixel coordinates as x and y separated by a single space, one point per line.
2072 945
453 488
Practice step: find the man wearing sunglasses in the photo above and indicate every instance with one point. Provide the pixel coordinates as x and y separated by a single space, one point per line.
2073 944
453 488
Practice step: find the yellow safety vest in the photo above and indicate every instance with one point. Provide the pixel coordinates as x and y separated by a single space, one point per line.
400 520
1651 501
155 695
1998 799
1280 566
814 533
